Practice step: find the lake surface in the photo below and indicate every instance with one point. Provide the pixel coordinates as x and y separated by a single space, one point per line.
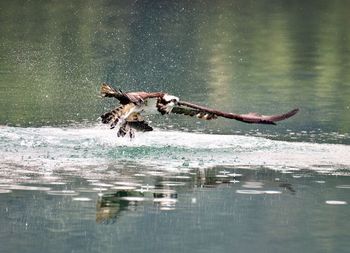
68 184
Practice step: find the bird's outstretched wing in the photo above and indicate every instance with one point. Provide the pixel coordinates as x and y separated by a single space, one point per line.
129 97
202 112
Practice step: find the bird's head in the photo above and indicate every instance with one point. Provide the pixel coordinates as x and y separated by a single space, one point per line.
170 99
166 103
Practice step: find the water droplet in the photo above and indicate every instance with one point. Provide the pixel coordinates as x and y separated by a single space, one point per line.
134 199
5 191
221 176
99 189
139 175
182 177
320 181
124 187
234 175
249 192
336 202
171 183
272 192
165 200
127 183
25 188
63 193
82 199
253 185
343 186
101 184
57 183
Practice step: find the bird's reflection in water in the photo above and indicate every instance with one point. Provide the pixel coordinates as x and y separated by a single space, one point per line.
110 206
162 194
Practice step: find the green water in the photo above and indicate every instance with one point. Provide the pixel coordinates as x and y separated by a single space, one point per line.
68 184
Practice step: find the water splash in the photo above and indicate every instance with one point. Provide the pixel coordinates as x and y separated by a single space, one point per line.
45 149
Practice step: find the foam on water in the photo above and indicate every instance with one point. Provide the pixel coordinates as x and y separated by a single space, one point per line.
68 148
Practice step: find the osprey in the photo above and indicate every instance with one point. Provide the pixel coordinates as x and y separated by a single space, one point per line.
127 116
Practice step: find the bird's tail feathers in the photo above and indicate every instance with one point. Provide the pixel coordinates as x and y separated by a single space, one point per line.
108 91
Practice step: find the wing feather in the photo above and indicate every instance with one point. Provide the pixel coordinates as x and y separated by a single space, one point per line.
129 97
191 109
193 112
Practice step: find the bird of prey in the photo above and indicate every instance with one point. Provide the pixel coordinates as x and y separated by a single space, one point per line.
127 116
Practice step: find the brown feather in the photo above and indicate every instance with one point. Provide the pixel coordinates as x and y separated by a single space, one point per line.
125 98
112 117
247 118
